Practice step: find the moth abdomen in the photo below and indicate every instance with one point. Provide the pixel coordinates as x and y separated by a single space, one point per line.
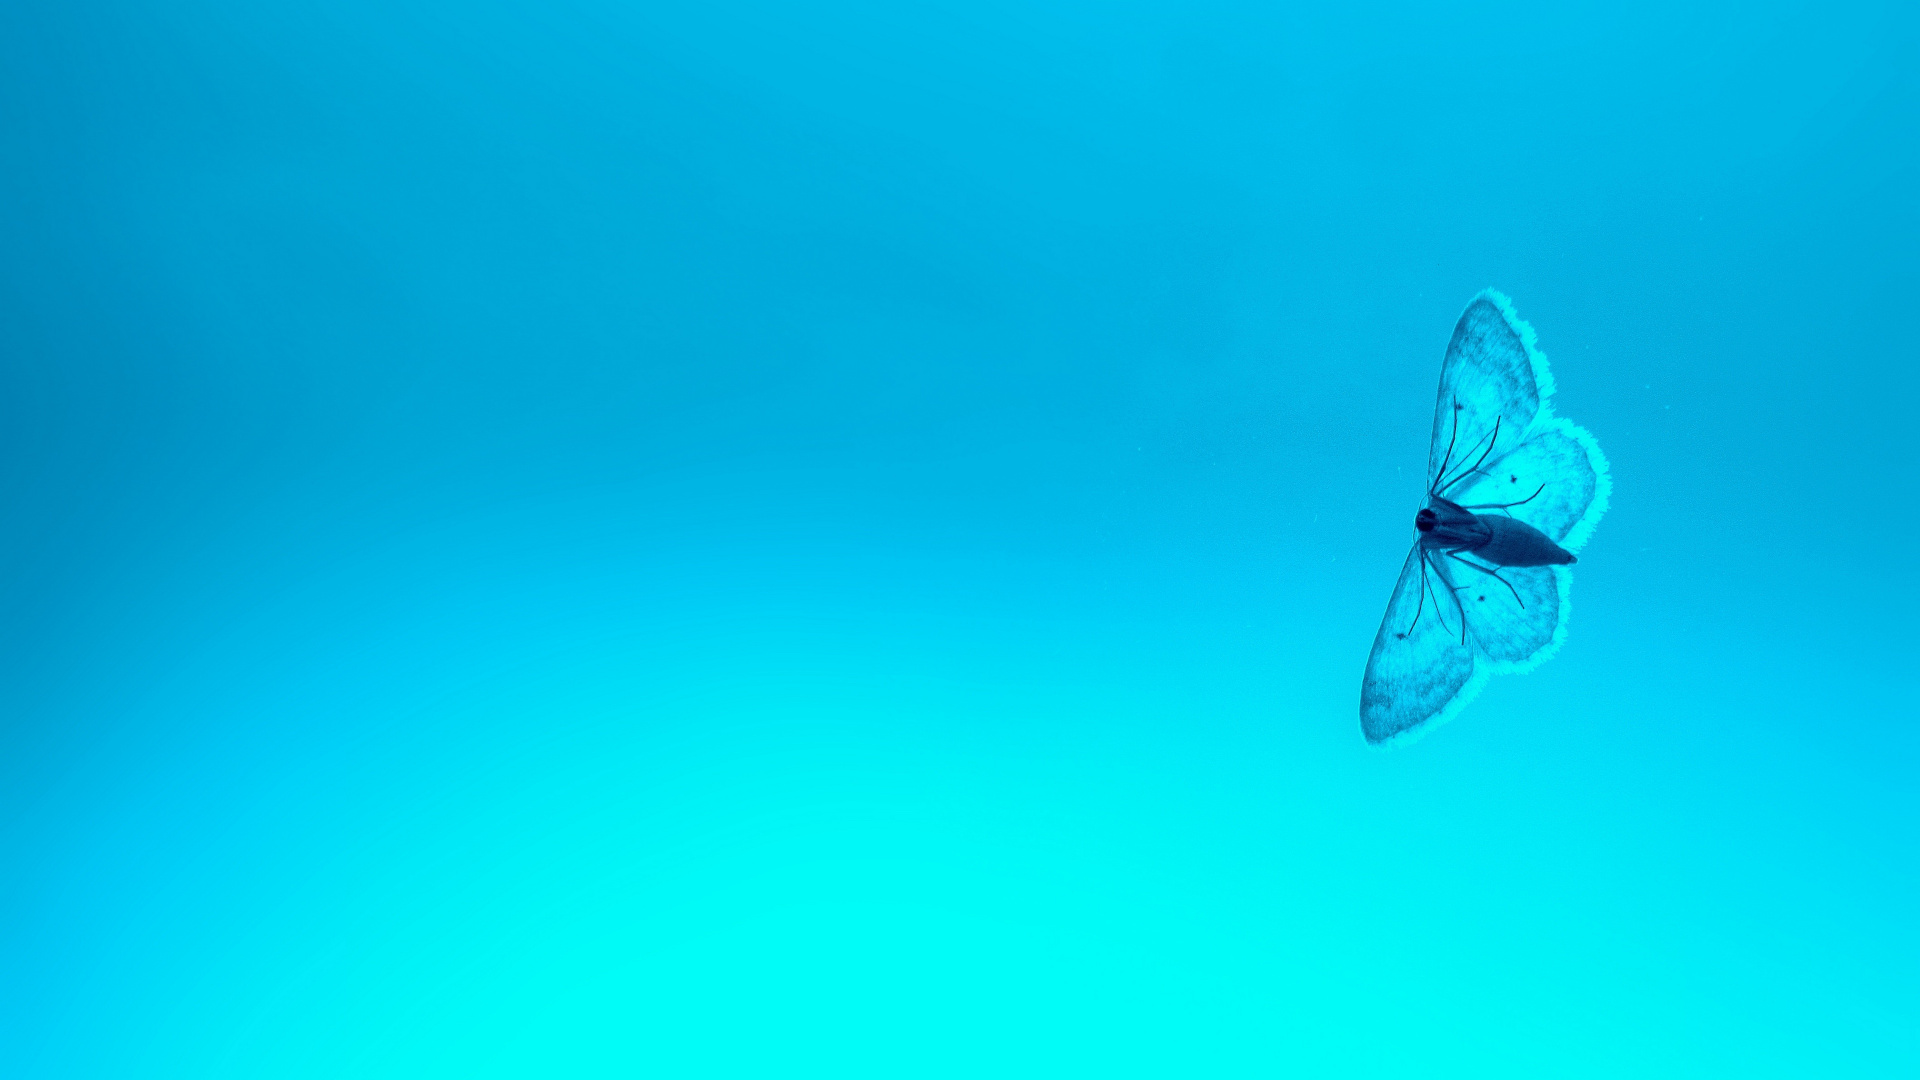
1511 542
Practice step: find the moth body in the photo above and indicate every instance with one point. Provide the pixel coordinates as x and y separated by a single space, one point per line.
1492 538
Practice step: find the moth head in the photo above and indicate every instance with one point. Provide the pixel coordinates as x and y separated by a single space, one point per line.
1424 520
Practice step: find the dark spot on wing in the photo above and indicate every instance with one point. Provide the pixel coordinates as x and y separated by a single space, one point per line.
1513 479
1483 598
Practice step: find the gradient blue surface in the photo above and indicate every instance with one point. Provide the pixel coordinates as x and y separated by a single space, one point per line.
589 539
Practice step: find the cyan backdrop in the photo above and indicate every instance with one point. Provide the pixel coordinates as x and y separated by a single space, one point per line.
585 538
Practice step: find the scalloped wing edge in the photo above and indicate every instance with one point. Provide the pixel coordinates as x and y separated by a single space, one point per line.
1547 420
1464 697
1582 530
1484 670
1562 584
1542 375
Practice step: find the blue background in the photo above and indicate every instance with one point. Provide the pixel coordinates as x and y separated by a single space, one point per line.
700 539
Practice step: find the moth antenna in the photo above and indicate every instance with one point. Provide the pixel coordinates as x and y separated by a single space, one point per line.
1476 445
1450 439
1483 457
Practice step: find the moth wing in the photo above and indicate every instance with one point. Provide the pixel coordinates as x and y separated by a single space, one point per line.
1517 620
1492 375
1560 474
1420 673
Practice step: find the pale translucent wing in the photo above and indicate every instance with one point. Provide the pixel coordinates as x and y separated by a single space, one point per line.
1495 442
1419 671
1488 376
1512 628
1559 473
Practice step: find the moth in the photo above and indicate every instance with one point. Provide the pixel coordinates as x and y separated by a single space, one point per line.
1513 493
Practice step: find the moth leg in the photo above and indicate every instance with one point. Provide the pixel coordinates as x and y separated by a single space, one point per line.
1453 591
1492 573
1503 506
1422 605
1426 586
1491 443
